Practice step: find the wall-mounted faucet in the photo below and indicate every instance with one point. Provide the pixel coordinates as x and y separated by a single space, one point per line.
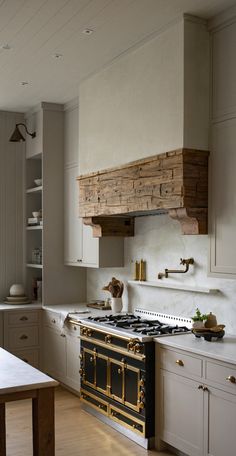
185 262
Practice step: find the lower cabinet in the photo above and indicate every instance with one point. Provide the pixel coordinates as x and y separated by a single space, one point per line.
196 415
181 413
61 356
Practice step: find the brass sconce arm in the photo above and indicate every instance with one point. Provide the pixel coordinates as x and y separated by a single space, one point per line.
186 262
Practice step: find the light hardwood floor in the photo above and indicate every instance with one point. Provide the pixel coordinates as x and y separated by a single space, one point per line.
77 432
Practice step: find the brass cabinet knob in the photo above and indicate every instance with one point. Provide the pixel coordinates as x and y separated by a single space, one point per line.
231 379
205 388
179 362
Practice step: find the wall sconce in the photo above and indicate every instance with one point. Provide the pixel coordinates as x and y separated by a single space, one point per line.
17 136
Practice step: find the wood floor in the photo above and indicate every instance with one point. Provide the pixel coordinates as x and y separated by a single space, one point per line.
77 432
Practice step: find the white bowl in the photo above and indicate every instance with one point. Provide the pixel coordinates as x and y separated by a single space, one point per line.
17 289
38 182
36 214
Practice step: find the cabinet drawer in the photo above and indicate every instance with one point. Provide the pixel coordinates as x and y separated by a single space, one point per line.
94 401
222 375
180 363
29 356
52 319
22 318
23 337
127 420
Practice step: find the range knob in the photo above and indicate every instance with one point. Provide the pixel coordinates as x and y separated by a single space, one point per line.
131 345
142 394
108 339
142 382
137 348
81 371
89 332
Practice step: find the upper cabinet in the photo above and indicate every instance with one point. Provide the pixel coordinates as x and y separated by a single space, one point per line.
223 158
80 247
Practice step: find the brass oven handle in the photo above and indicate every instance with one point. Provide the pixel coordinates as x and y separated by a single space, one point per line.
231 379
23 337
179 362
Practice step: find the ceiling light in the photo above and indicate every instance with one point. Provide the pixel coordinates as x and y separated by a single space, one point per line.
57 56
5 46
87 31
17 136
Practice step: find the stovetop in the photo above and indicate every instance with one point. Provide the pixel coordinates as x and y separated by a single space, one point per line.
141 324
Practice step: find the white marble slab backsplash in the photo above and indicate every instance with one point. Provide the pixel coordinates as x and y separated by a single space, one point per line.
159 241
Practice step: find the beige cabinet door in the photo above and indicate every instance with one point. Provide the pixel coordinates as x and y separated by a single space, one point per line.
181 413
220 432
223 200
72 222
73 362
54 354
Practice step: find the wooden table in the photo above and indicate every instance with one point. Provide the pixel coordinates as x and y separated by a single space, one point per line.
18 381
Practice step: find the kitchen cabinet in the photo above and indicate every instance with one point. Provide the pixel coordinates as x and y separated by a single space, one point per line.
80 247
196 410
61 350
1 330
222 215
34 122
22 335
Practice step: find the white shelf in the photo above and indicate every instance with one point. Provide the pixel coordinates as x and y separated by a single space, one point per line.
174 286
36 227
36 266
35 189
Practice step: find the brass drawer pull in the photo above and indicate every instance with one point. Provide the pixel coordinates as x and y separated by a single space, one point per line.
179 362
23 318
200 387
62 335
231 379
23 337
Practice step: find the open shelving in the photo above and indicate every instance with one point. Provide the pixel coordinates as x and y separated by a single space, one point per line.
174 286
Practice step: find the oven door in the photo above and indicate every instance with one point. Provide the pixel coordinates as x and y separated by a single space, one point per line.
95 370
125 384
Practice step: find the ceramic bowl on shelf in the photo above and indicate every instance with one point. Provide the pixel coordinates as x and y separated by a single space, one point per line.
17 289
37 214
38 182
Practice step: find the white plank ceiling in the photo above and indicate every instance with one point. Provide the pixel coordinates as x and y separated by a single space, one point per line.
35 30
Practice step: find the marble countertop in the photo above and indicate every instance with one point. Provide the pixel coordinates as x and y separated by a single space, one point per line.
16 375
221 350
33 305
80 307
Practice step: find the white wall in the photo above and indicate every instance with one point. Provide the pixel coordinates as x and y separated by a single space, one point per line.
11 204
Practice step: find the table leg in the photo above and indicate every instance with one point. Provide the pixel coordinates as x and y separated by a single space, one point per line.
43 423
2 430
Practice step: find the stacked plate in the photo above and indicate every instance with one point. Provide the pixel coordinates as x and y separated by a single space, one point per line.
17 300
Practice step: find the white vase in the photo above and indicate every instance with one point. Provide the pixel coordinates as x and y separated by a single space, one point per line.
116 305
198 324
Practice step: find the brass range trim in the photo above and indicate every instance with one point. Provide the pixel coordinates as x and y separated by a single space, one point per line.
112 347
109 410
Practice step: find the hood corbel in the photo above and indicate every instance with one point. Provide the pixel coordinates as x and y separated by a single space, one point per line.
175 182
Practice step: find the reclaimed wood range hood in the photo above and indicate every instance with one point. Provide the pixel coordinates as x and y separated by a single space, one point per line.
175 182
